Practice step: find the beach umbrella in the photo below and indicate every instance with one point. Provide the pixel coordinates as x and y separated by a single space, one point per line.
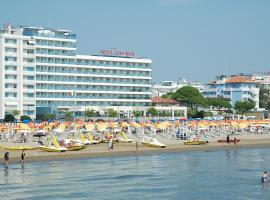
26 121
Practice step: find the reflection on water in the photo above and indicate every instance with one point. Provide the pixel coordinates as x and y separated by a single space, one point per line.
223 174
6 170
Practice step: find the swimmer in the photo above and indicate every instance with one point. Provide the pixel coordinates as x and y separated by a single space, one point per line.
264 177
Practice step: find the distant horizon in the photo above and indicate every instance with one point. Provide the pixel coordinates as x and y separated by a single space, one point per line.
192 39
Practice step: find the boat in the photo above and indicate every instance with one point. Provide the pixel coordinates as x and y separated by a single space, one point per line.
84 140
19 147
199 142
124 138
152 142
91 139
71 144
54 147
225 141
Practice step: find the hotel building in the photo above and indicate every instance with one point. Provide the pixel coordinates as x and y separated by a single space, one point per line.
234 88
158 89
41 73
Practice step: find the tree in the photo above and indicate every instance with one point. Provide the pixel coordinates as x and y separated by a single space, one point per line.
9 118
25 117
190 96
47 116
69 116
167 95
90 113
112 112
152 111
219 103
244 106
264 98
137 113
16 113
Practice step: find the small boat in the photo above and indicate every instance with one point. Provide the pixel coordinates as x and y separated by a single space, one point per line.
19 147
123 138
152 142
72 144
91 139
54 147
199 142
231 141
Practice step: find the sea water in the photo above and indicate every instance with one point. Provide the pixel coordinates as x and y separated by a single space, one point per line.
229 174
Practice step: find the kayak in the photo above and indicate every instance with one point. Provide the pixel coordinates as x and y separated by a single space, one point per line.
195 142
225 141
20 147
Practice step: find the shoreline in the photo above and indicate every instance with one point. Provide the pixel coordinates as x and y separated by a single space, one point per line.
127 149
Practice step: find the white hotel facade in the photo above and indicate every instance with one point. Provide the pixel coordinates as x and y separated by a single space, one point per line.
41 73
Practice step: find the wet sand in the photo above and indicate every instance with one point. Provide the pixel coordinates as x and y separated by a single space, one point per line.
121 149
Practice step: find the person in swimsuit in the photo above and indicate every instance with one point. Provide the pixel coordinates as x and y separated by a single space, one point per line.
264 177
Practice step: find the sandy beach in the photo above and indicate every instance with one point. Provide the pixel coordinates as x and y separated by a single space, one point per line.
121 149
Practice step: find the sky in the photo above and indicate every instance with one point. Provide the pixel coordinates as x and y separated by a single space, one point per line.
192 39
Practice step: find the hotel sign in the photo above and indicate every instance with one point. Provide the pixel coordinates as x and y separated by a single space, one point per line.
116 52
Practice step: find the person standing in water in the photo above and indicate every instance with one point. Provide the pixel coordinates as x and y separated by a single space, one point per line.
23 157
264 177
6 158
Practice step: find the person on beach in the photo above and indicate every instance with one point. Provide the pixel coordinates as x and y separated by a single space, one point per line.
6 158
264 177
228 139
23 157
234 141
137 147
110 144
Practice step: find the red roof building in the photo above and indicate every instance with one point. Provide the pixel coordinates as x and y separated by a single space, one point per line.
159 100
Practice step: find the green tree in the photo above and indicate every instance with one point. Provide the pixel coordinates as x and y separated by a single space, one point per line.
264 98
112 112
9 118
244 106
167 95
47 116
137 113
219 103
69 116
16 113
25 117
152 111
191 113
190 96
90 113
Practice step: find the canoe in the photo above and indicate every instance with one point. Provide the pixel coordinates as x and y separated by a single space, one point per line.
195 142
225 141
20 147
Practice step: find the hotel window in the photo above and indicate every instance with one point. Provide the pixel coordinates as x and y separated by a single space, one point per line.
28 60
10 50
29 69
10 41
9 58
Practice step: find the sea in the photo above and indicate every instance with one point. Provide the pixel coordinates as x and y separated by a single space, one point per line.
229 174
